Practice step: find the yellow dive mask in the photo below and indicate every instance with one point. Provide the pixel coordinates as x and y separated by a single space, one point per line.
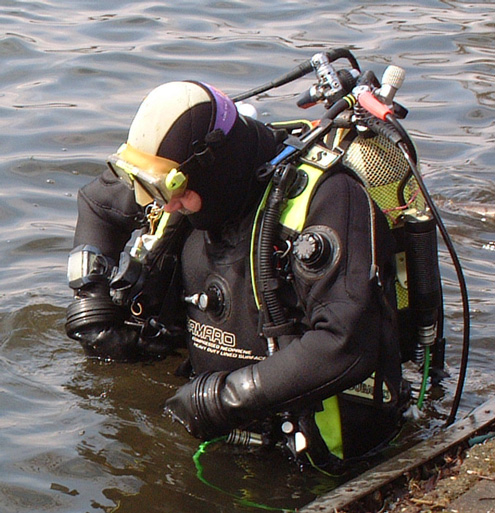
151 177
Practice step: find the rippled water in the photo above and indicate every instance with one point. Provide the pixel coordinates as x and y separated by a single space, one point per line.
79 436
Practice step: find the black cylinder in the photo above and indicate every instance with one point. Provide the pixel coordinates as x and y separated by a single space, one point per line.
423 274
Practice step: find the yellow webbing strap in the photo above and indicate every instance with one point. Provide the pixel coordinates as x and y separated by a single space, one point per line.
294 217
294 214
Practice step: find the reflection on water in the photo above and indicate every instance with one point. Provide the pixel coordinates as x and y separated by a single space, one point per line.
82 436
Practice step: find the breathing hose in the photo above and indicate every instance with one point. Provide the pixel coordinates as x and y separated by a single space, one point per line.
273 309
282 179
298 72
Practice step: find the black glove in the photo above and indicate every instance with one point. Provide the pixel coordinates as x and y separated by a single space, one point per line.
98 325
118 343
123 344
214 403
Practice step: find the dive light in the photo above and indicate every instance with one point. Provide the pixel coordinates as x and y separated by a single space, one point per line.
423 273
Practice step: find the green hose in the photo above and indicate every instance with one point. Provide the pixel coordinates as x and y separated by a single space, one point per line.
243 502
426 374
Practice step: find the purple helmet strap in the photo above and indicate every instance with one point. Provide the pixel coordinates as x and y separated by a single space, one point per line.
225 112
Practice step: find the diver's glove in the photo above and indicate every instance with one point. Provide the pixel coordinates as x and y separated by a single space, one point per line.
122 343
97 323
214 403
118 343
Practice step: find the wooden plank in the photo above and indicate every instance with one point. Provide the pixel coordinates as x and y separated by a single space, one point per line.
410 459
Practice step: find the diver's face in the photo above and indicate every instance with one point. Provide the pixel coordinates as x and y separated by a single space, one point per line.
188 203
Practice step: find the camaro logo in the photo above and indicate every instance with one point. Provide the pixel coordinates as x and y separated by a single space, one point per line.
210 334
218 342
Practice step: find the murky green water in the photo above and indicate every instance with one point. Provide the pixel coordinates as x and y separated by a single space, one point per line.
79 436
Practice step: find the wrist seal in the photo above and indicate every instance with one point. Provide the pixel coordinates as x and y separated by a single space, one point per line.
90 312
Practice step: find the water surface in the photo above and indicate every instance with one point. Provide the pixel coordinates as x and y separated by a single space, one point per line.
79 436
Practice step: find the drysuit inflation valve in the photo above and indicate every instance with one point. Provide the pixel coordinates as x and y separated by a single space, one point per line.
214 300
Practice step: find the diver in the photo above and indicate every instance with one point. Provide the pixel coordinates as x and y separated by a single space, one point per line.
165 255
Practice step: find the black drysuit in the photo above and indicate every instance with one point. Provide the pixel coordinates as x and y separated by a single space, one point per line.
345 321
